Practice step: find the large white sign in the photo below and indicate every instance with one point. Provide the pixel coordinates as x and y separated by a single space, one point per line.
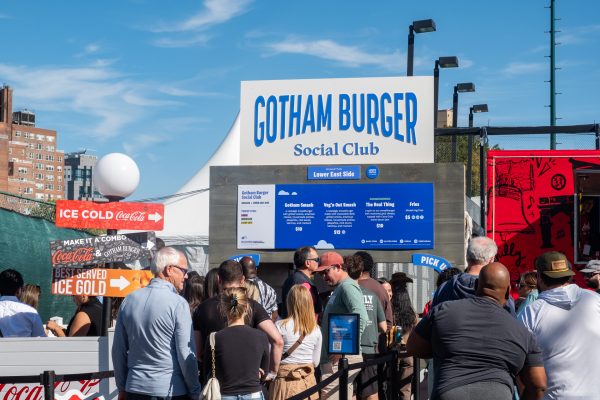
337 121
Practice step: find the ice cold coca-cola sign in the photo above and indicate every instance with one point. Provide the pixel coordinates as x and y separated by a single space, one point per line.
116 215
76 390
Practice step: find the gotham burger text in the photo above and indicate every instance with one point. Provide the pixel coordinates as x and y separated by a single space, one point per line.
391 115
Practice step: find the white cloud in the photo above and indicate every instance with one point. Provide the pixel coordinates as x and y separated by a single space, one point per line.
91 48
142 142
283 193
198 40
521 68
322 244
214 12
107 99
465 63
577 35
350 56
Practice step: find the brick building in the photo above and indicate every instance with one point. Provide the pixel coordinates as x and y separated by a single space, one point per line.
30 164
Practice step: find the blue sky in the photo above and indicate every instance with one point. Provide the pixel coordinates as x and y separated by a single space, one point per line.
161 80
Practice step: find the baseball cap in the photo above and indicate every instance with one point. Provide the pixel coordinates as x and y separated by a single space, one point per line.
554 265
329 259
591 266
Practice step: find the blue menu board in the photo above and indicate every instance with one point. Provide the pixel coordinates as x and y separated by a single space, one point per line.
336 216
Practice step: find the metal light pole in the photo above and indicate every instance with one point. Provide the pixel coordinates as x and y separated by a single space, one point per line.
477 108
425 25
442 62
116 177
458 88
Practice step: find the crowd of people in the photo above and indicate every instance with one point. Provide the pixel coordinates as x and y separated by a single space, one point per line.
183 329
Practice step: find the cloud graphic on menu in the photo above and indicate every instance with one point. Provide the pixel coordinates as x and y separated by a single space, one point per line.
294 193
283 193
322 244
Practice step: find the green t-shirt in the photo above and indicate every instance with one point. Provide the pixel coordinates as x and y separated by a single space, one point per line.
370 337
346 298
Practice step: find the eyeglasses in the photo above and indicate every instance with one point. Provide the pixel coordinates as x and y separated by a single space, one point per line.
523 284
184 271
317 259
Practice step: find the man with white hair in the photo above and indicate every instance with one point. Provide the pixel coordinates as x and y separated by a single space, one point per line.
480 252
153 354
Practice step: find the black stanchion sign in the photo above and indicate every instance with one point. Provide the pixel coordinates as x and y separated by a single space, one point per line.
102 249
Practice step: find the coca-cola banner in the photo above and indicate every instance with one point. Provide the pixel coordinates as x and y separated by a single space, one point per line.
102 249
115 215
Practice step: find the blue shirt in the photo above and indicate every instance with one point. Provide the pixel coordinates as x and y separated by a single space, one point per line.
153 350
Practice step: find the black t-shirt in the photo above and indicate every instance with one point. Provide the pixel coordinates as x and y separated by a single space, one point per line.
208 317
476 340
239 353
299 278
93 309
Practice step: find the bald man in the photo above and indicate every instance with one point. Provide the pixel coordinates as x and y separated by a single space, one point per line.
479 349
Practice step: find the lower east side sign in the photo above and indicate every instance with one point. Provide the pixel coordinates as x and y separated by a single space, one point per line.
69 277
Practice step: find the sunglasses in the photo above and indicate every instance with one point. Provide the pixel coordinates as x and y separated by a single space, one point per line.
184 271
317 259
325 271
523 284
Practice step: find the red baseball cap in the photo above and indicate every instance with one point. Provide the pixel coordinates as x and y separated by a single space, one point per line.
330 259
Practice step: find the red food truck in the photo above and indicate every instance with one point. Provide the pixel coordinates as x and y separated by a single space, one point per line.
542 200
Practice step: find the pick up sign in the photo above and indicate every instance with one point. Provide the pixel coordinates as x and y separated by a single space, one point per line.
115 215
102 249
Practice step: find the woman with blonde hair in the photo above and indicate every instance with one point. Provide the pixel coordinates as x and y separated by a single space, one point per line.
301 345
241 353
30 295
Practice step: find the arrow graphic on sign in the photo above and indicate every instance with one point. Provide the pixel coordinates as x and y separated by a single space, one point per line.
121 282
154 217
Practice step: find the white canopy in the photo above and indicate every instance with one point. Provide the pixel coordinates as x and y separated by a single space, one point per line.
186 213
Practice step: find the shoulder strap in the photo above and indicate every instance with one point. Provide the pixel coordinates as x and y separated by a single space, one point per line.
211 340
294 347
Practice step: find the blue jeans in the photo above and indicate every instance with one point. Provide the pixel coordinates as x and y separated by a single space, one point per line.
249 396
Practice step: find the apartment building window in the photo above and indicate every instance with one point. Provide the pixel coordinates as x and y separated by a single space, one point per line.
39 196
30 156
39 166
40 137
28 190
38 146
59 187
58 168
18 133
49 148
49 186
30 146
39 176
50 138
39 186
49 157
49 167
49 177
59 178
22 170
27 135
39 156
59 158
10 150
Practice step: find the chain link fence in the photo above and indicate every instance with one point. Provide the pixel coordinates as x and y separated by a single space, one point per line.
452 145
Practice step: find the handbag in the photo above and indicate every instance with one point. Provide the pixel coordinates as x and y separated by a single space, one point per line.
212 389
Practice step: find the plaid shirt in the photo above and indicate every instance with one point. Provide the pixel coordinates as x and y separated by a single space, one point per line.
268 297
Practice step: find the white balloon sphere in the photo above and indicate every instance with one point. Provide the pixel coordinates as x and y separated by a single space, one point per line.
116 175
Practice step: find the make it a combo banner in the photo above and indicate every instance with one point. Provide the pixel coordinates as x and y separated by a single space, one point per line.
335 121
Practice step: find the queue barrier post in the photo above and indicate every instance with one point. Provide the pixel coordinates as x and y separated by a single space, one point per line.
343 385
394 373
48 379
416 383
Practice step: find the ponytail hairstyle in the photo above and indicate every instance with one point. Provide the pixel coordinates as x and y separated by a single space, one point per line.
234 303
